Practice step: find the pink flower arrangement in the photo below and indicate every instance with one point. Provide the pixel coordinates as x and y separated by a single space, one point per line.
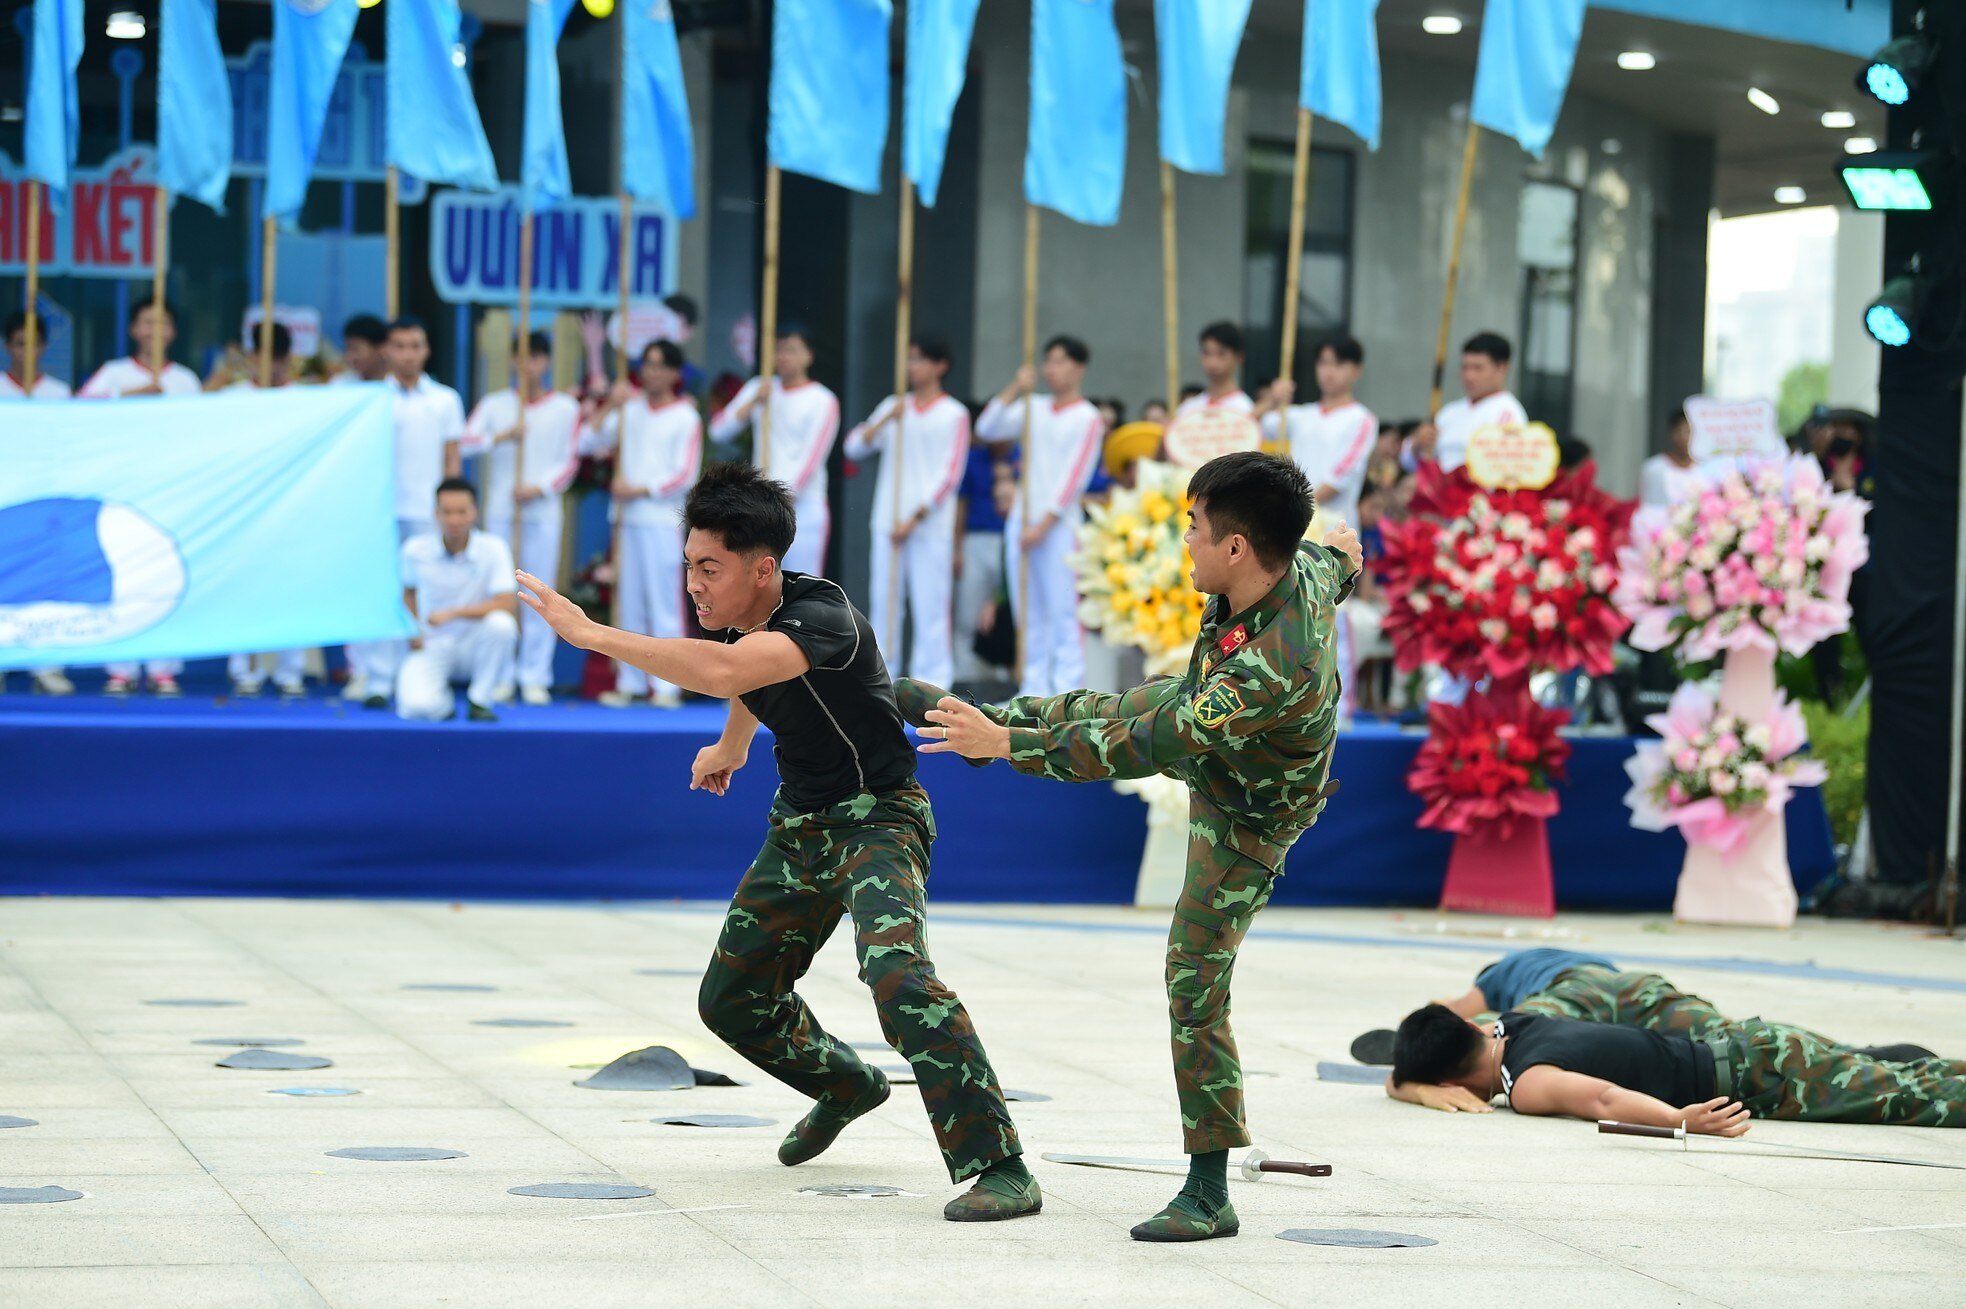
1757 557
1711 773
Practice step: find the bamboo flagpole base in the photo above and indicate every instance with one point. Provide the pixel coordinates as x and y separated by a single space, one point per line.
33 295
1170 285
160 262
392 228
903 315
1024 444
768 317
1293 264
268 266
1454 263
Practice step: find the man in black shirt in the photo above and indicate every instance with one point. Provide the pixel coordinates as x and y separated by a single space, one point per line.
849 834
1739 1069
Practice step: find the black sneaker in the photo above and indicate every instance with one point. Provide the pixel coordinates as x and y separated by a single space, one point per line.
376 702
477 713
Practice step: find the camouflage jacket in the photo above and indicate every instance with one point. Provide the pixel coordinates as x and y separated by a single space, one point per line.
1250 727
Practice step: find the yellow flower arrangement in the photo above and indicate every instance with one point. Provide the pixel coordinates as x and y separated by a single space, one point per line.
1133 568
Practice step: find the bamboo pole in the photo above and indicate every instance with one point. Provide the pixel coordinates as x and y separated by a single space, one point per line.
626 277
621 371
1454 263
28 369
903 321
392 228
269 236
1293 263
1024 449
768 319
521 384
160 250
1170 287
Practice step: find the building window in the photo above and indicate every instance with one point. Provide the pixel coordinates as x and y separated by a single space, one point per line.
1324 293
1546 354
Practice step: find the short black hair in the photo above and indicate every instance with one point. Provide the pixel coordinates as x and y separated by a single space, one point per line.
1344 348
1189 392
539 345
365 327
786 331
1492 344
283 339
137 307
17 322
1075 350
1571 451
1265 498
683 307
406 324
672 354
463 484
1225 334
1678 419
1433 1046
933 348
748 511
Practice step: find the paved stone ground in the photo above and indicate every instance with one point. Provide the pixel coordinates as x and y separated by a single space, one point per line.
203 1189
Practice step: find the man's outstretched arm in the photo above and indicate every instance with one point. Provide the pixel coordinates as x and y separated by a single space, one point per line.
1557 1092
917 698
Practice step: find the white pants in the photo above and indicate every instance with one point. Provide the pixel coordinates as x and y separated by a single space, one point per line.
651 594
474 650
927 570
376 662
808 552
538 554
1054 643
289 668
981 580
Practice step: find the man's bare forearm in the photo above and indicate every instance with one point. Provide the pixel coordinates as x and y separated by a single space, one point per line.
705 667
740 725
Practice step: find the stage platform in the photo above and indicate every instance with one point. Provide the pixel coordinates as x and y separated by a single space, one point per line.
213 796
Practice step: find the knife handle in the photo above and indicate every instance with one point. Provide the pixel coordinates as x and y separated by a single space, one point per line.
1302 1170
1607 1127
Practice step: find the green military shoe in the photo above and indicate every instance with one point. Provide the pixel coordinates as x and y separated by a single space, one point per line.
1184 1220
824 1122
994 1199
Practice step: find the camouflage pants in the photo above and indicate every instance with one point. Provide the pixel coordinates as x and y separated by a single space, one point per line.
866 857
1780 1071
1220 898
1603 995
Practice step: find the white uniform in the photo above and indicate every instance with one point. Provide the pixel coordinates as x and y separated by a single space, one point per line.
662 451
1331 446
552 458
248 671
474 650
1663 483
120 377
1237 400
935 447
805 421
45 388
1460 420
428 417
1057 469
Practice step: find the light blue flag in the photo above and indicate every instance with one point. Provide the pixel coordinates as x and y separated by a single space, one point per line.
248 520
829 90
658 157
194 104
53 109
543 174
433 130
1340 78
309 39
1075 145
937 60
1527 49
1197 41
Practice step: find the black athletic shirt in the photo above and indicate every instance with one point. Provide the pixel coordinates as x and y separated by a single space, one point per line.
1666 1067
836 730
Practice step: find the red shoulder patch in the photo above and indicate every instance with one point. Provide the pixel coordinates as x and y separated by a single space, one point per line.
1234 641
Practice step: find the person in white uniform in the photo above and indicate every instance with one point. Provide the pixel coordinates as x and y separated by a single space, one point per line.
934 447
1485 402
552 441
133 376
1222 349
1666 479
13 386
1066 433
248 671
660 434
429 431
363 358
805 422
459 585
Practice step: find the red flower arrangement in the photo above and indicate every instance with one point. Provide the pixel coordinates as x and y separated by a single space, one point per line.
1503 583
1494 759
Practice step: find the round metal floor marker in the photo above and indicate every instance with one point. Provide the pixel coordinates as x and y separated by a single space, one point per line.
714 1120
1026 1097
8 1120
1355 1238
397 1153
264 1042
37 1194
194 1003
519 1022
274 1061
447 986
857 1192
582 1191
313 1090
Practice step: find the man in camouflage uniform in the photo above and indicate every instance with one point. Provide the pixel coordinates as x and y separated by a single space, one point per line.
1250 728
849 838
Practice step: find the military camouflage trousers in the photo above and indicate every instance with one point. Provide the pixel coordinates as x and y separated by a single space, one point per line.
866 857
1779 1071
1220 898
1603 995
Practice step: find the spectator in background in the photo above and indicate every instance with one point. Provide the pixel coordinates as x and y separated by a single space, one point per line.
1663 480
1188 392
1330 437
995 644
1485 401
362 358
132 375
13 386
1572 452
1842 447
459 586
980 561
1382 465
1154 411
805 423
1221 366
236 372
1112 412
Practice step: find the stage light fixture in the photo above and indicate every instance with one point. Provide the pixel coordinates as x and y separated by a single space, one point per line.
1892 181
1761 100
1441 25
1889 317
1637 61
1893 72
1839 120
125 25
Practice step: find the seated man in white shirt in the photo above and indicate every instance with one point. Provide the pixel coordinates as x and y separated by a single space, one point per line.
458 583
1485 402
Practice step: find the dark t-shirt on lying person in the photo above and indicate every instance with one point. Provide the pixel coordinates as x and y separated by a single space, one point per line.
1664 1066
